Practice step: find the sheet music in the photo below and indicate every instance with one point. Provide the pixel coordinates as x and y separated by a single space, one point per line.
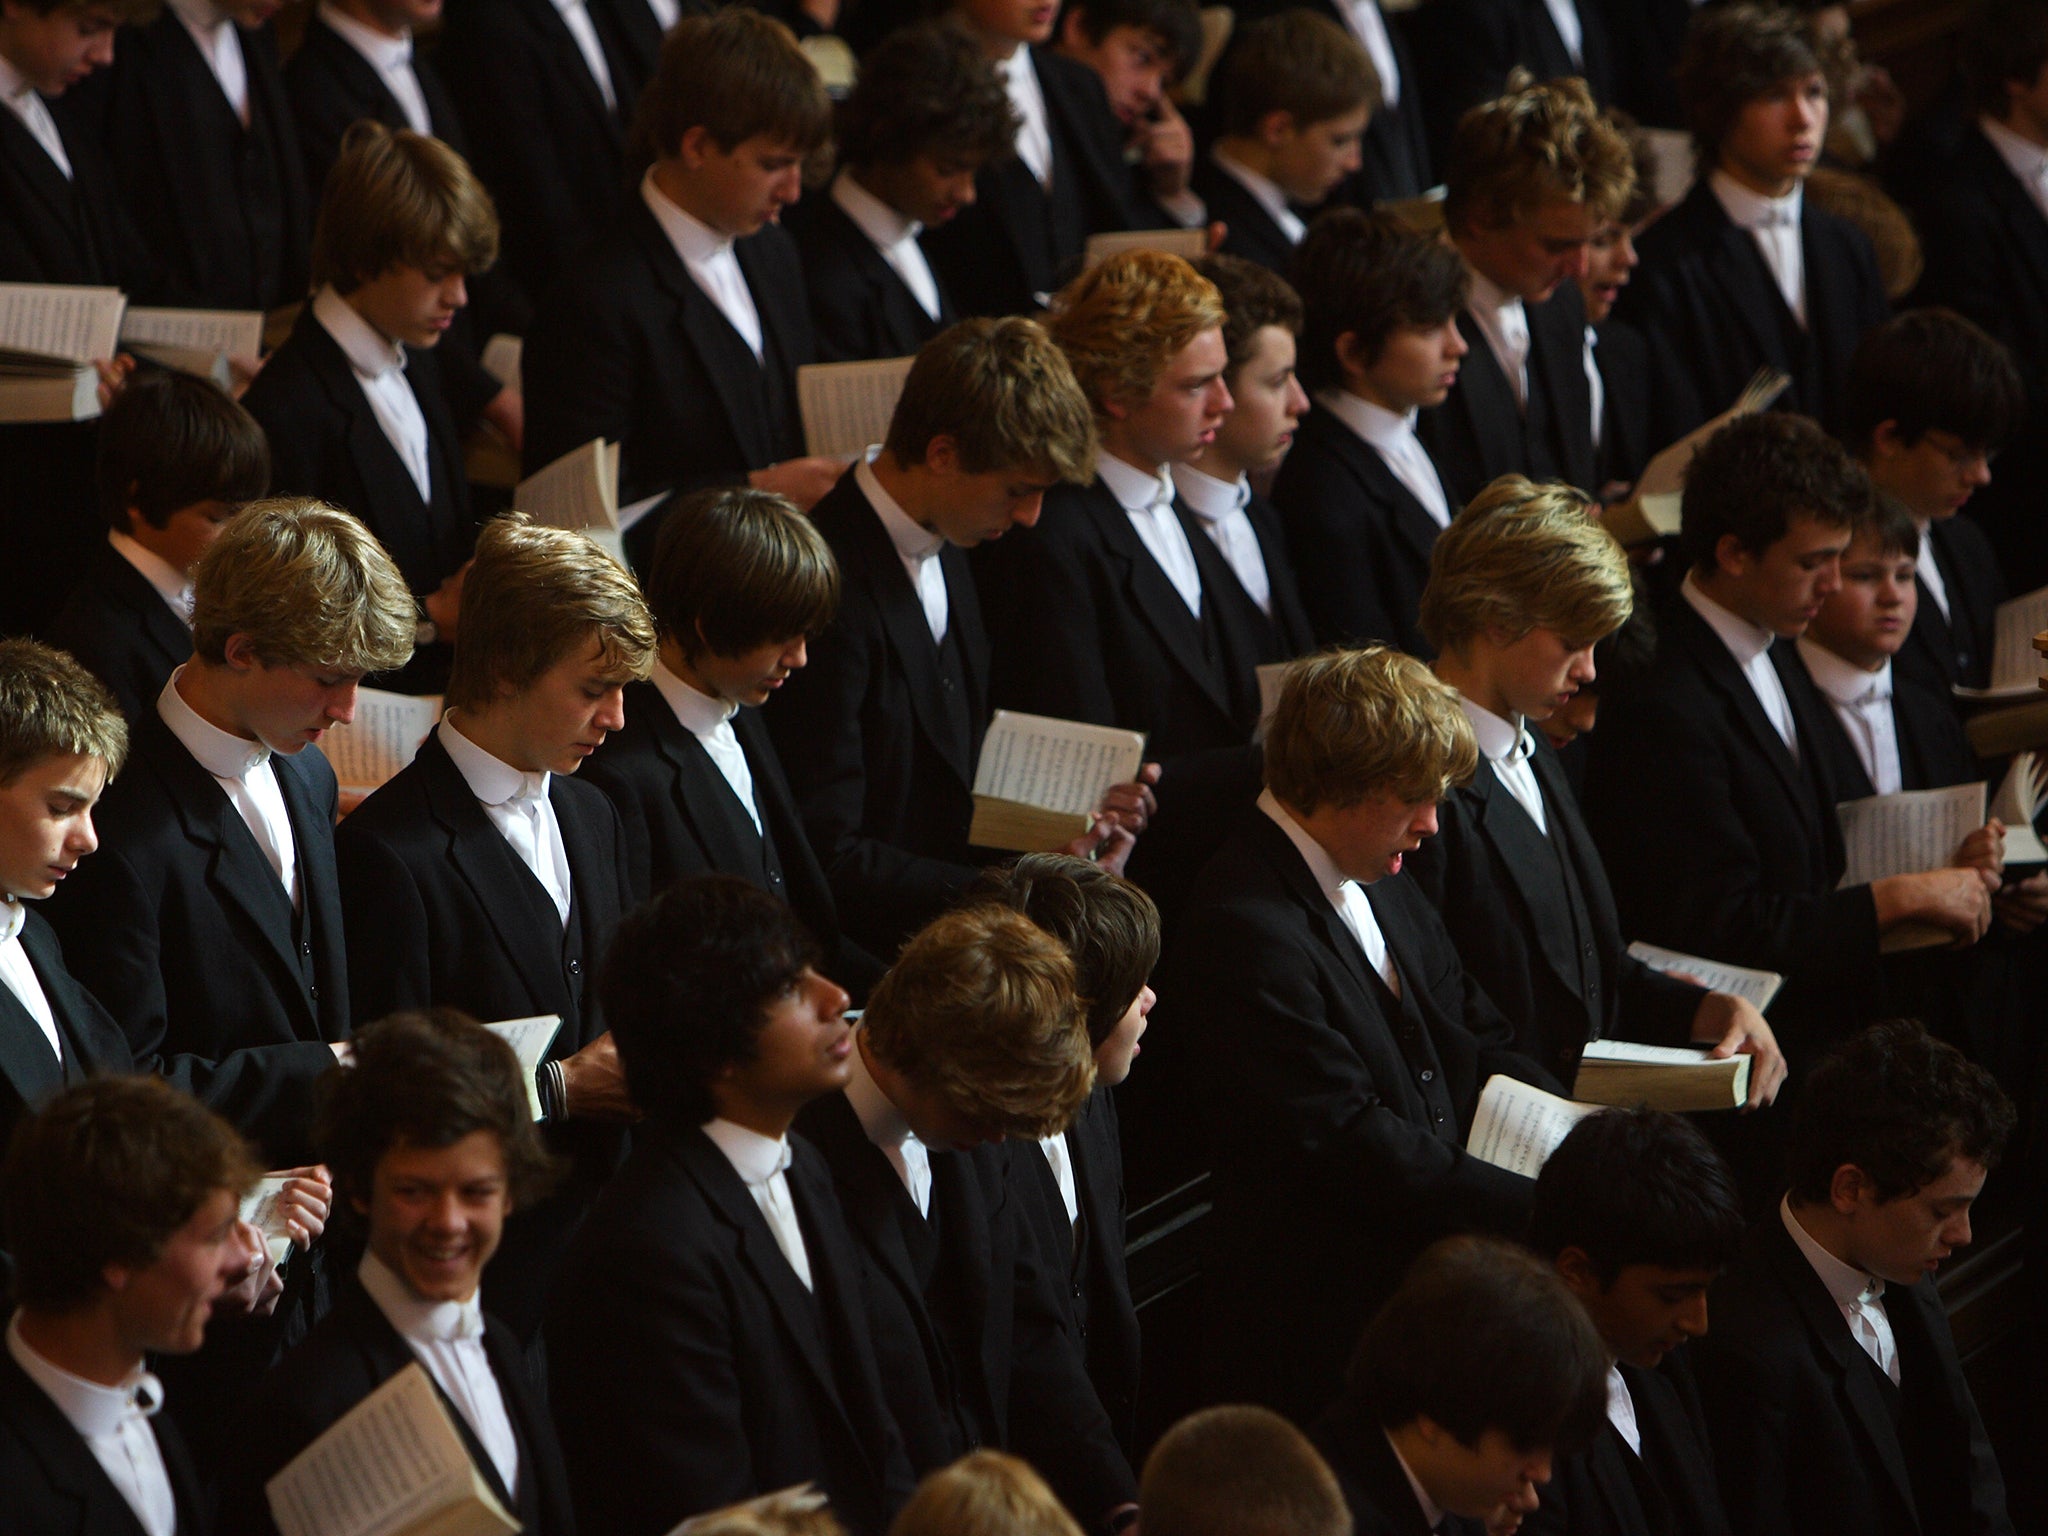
1908 833
387 731
529 1039
578 490
260 1210
1757 988
847 406
1184 243
2015 664
1062 765
230 332
61 321
1518 1126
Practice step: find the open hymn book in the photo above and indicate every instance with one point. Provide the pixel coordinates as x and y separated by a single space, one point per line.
51 334
386 732
1906 834
580 492
202 342
847 406
1675 1078
1756 988
1517 1125
1652 509
393 1465
2017 803
2015 665
1040 780
529 1039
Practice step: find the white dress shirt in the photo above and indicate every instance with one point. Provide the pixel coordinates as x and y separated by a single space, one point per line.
1773 222
114 1424
1369 26
1507 747
171 584
1862 701
1148 501
889 1132
710 721
1346 895
892 235
1061 1158
1750 645
1219 507
518 806
1621 1410
1266 192
246 775
1928 569
666 12
1564 15
916 546
2027 160
1596 384
447 1337
379 366
1504 321
26 103
1393 438
710 260
391 58
1034 128
762 1162
220 44
19 976
1860 1296
576 16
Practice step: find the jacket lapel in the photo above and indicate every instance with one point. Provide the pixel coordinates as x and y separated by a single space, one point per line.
1416 528
27 1063
1715 660
728 362
1522 850
548 20
1153 596
707 802
62 1456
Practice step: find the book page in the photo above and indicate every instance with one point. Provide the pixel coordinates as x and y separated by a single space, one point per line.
529 1039
2015 664
230 332
1061 765
1665 473
2017 803
61 322
1756 988
569 493
386 732
1272 678
1907 833
1184 243
389 1463
259 1209
1518 1125
1635 1054
847 406
502 358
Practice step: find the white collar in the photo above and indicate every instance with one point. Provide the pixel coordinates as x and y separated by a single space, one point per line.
386 55
171 584
1484 296
1498 738
1843 681
695 241
90 1408
417 1320
369 351
1751 209
754 1157
880 1119
1388 431
884 225
1264 190
1209 498
2026 159
913 541
698 712
1327 875
219 752
1432 1513
1844 1281
1745 641
1134 489
491 779
13 918
14 87
1016 70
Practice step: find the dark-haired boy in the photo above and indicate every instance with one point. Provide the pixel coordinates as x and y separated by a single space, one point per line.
1359 494
1832 1388
1139 49
176 456
925 115
358 59
1639 1216
707 1341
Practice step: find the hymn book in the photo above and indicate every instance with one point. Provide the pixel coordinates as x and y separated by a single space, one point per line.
1624 1074
2015 667
580 492
1040 780
1756 988
1184 243
51 334
261 1210
1517 1125
393 1465
386 732
847 406
1908 834
529 1039
203 342
2017 803
1652 509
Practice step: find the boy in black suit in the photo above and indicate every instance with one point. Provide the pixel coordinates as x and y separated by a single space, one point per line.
176 458
926 114
1359 494
708 1336
1617 359
1639 1216
1296 92
1742 273
1832 1389
1530 177
740 582
1521 587
1477 1373
352 401
484 877
679 332
1139 49
1330 1040
119 1199
1239 1471
974 1036
433 1146
1467 50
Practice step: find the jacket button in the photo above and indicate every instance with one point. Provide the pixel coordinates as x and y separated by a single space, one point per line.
575 967
306 947
1429 1076
313 992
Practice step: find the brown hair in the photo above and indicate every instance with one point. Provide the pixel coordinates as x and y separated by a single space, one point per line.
1735 54
170 441
1367 275
1531 145
1237 1470
1298 62
1254 297
984 1493
398 198
1525 555
1351 724
735 73
1007 397
1109 926
50 706
1122 320
737 568
926 89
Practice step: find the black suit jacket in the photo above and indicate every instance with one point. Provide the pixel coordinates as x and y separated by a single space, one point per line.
1015 1381
860 308
1623 358
1375 1486
56 1485
682 819
1646 38
1249 230
1335 1115
1942 650
1466 49
1357 537
689 1367
334 87
863 733
124 632
1799 1417
1279 635
444 914
1713 314
1547 949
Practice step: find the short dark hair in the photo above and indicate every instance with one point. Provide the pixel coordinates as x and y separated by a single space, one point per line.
1109 926
1891 528
1757 474
926 89
735 73
2005 43
106 1173
169 441
1176 23
1733 55
1237 1470
428 1080
1368 274
1298 62
1254 297
1930 370
1637 1186
687 984
1481 1335
735 568
1898 1104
